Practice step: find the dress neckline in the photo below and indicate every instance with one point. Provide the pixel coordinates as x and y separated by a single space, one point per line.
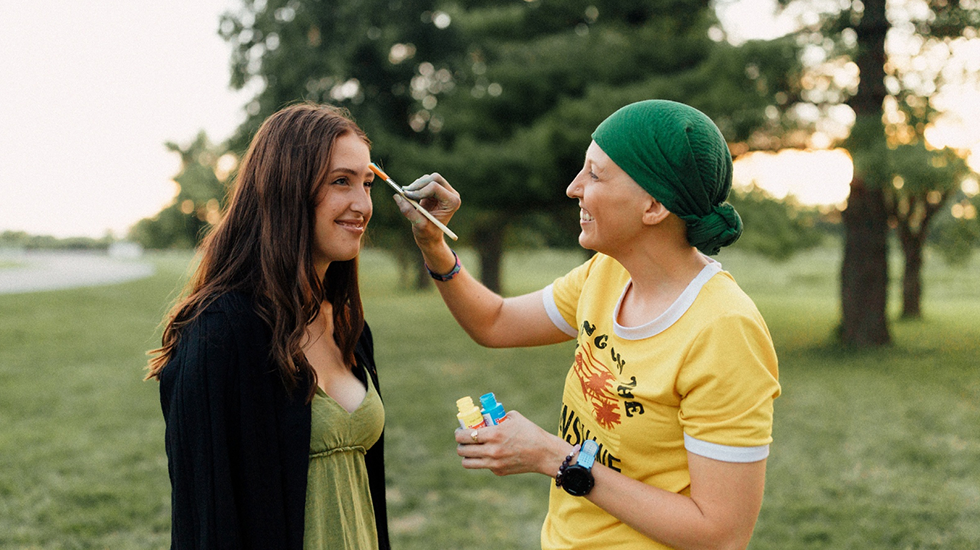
329 398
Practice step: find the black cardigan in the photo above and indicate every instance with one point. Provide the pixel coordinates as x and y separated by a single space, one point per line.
237 443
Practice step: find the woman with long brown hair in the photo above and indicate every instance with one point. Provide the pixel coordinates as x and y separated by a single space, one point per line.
274 424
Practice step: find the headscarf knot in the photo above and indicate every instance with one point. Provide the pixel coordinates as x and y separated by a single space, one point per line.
721 227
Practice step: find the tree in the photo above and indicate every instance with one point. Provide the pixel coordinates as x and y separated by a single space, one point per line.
501 97
864 268
774 228
370 56
21 240
540 76
924 180
957 231
198 203
893 102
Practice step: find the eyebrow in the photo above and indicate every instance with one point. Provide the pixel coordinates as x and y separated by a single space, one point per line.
350 171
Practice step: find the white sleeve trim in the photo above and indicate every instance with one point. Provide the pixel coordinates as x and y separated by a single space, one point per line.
725 453
548 297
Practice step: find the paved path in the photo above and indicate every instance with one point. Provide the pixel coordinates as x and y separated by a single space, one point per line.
37 271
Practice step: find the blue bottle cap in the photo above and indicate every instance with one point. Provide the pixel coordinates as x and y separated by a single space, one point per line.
488 401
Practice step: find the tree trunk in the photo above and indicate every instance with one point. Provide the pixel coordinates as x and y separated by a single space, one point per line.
912 277
913 243
422 278
413 274
491 250
864 269
489 243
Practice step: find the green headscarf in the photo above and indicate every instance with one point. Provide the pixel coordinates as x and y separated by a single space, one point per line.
678 156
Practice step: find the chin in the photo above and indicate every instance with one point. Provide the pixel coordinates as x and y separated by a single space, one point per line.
342 255
588 245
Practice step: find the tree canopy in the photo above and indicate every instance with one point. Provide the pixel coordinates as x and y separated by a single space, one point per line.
198 203
501 97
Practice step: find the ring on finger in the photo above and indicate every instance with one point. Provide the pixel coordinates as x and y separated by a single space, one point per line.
474 435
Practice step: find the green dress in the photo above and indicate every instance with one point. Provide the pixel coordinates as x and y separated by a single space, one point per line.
339 511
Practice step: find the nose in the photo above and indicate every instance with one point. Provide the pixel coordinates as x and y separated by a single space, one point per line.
362 203
574 189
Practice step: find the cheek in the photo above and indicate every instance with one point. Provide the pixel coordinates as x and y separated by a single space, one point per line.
324 217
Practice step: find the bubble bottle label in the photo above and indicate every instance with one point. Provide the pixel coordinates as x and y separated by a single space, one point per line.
469 415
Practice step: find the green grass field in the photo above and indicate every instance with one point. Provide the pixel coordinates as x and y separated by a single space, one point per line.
872 449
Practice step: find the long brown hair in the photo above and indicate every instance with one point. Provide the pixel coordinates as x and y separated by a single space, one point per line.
263 245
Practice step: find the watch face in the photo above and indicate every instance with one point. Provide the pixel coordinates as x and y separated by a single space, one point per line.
577 480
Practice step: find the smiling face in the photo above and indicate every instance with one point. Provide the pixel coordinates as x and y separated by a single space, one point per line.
344 205
611 204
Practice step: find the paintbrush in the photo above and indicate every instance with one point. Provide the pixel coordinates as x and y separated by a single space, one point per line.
381 174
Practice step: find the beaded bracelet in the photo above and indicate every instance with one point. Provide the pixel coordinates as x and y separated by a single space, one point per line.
564 464
447 276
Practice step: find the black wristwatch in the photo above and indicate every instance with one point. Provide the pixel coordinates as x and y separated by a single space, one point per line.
576 479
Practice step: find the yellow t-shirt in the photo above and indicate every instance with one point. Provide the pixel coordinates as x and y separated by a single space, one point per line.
700 378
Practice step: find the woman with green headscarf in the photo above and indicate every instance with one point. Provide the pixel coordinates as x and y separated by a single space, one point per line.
666 415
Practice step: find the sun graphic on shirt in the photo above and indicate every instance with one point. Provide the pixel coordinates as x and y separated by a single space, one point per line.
597 384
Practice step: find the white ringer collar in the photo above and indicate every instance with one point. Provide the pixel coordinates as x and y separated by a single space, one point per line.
673 313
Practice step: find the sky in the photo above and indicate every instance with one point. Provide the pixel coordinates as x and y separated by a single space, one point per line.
90 91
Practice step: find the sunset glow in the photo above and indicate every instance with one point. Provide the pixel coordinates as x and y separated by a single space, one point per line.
814 177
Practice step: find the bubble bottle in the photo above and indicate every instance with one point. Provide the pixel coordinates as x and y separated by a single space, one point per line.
493 411
469 415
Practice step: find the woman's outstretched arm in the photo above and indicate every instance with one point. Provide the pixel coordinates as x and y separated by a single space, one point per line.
490 319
